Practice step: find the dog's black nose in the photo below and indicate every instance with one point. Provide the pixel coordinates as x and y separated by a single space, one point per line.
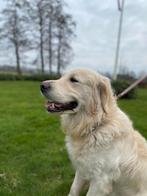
44 86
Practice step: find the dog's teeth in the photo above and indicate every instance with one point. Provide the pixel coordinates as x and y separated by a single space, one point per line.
51 105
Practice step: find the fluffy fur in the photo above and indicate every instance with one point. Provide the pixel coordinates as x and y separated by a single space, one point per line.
106 152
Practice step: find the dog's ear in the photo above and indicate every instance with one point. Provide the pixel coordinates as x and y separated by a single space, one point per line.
105 92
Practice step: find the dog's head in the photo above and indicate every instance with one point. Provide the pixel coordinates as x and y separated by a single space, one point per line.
79 90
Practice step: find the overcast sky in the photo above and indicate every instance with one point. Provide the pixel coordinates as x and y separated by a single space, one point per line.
97 27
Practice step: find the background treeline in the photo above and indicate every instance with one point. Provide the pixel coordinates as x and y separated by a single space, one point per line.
40 29
39 33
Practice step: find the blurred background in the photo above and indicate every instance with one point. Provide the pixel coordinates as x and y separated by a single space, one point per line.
51 36
41 39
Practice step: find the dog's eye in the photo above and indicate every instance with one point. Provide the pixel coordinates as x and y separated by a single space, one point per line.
74 80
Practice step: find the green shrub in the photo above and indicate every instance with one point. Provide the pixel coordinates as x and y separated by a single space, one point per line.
120 85
40 77
33 77
9 76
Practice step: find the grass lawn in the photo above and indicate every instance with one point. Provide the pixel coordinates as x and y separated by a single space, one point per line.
33 158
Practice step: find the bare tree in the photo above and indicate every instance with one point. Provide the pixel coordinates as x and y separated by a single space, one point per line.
55 32
44 28
51 9
42 14
37 15
65 31
50 33
13 29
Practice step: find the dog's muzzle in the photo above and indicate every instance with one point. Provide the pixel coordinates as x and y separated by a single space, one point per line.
52 105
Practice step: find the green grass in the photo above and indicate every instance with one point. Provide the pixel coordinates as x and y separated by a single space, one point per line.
137 110
33 158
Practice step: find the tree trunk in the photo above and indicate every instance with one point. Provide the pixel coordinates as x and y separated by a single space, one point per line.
16 42
41 43
41 54
59 64
17 60
50 47
59 59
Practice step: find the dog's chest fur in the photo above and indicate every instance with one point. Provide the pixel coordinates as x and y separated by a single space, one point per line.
94 162
91 160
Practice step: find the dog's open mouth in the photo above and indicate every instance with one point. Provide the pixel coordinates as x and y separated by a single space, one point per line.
61 107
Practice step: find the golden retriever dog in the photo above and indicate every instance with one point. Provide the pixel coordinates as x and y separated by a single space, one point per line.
106 152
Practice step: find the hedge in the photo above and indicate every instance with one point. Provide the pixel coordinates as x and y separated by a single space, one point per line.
120 85
33 77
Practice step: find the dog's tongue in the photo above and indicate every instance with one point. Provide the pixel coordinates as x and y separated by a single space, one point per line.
58 105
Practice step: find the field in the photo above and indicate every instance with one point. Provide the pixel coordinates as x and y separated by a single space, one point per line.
33 158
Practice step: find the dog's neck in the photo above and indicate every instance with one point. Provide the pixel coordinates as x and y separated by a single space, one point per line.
83 128
81 124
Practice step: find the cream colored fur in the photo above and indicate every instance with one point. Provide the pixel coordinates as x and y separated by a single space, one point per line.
105 150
